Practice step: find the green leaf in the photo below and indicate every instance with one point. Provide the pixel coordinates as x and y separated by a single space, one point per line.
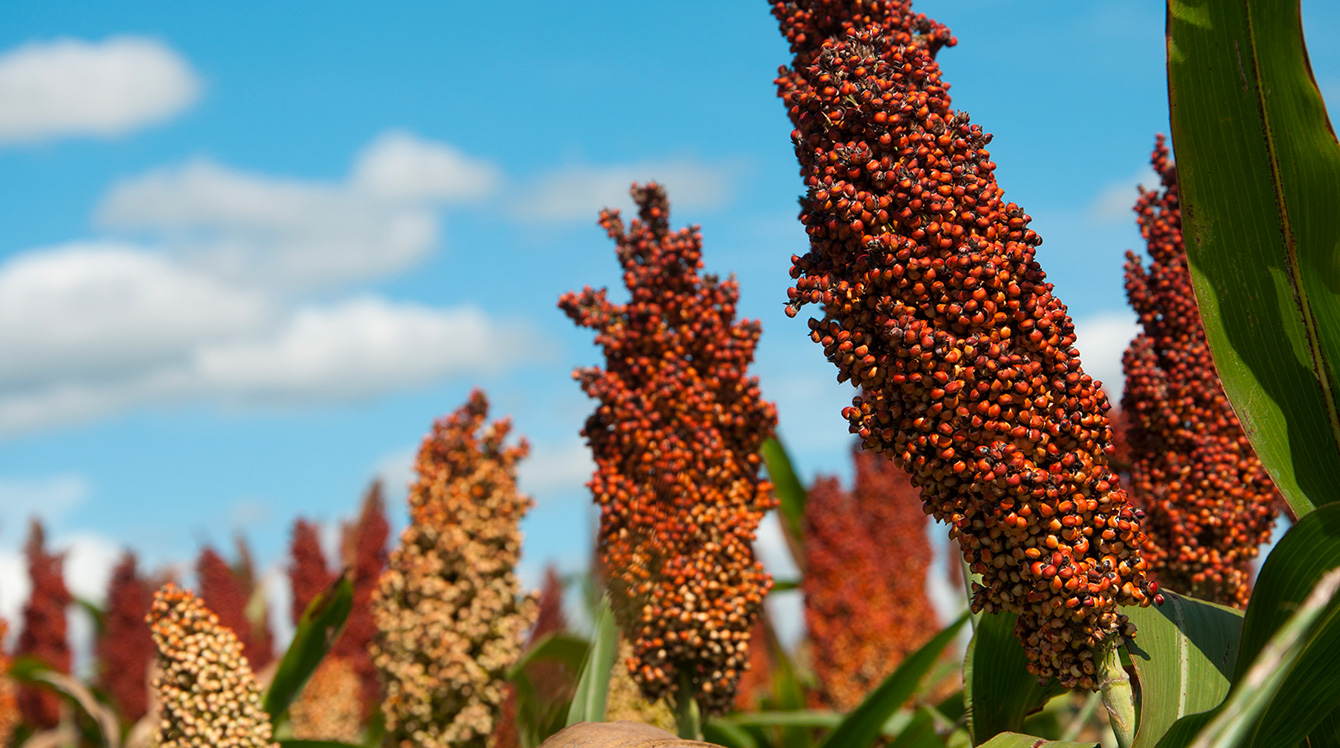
588 705
998 689
1183 652
785 585
728 734
1309 688
1259 173
860 728
559 645
317 630
791 495
1016 740
32 671
919 732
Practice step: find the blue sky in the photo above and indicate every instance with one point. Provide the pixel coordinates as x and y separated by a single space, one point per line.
252 251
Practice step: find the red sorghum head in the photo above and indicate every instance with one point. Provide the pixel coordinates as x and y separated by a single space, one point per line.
308 573
226 593
934 305
45 630
206 689
450 619
9 705
676 439
365 549
1209 501
867 555
125 648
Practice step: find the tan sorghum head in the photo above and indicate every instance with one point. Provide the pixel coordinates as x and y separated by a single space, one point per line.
329 707
209 697
447 609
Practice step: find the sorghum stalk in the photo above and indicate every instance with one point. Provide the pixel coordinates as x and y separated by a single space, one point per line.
867 556
676 438
208 694
125 647
45 630
447 608
933 304
1209 501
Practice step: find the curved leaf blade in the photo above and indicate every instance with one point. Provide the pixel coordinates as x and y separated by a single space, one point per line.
860 728
791 495
1184 653
999 690
1017 740
317 630
1259 172
593 685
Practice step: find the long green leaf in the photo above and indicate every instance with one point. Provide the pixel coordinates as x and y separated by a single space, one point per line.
32 671
860 728
998 690
1183 652
1309 691
919 732
1016 740
1259 172
559 645
791 495
588 704
317 630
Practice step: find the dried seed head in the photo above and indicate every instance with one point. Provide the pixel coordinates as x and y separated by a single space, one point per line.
44 632
675 439
447 607
1208 500
365 543
934 305
209 697
125 647
329 707
866 558
308 573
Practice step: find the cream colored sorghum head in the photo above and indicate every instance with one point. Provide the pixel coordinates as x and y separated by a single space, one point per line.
447 610
209 696
329 707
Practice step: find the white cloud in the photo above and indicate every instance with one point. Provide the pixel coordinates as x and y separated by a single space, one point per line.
83 310
1115 201
72 87
1102 340
396 472
401 166
48 499
555 468
345 351
580 192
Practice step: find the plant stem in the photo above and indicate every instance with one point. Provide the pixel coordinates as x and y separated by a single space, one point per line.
1085 714
1118 696
688 719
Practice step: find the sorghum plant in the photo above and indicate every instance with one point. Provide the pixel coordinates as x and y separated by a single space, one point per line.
125 647
447 609
1209 501
9 705
365 555
308 573
934 305
676 439
208 695
45 631
867 556
227 593
329 707
553 681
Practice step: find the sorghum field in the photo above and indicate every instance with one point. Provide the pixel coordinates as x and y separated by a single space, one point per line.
1107 553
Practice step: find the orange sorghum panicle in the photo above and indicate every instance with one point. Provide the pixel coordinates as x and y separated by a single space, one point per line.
208 695
934 304
44 632
676 439
450 620
125 648
866 560
9 705
1209 501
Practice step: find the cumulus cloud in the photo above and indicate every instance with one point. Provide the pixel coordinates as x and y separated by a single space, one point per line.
48 498
71 87
1102 340
352 349
1115 201
555 468
580 192
401 166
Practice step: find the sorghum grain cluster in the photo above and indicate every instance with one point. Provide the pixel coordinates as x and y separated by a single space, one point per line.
45 630
676 439
308 573
867 555
934 305
1209 501
9 705
329 707
125 647
208 695
365 554
447 608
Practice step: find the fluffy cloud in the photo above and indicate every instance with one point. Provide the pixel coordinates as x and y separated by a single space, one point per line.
1114 203
48 498
1102 340
555 468
401 166
580 192
70 87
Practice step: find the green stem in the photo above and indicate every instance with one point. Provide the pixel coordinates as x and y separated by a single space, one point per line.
1118 696
688 719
